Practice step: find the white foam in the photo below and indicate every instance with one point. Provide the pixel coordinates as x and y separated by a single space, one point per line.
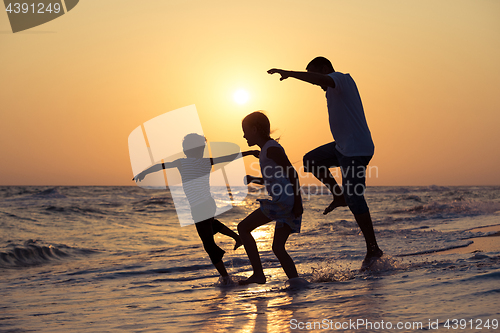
330 272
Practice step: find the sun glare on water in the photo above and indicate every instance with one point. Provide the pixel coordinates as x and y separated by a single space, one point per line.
241 96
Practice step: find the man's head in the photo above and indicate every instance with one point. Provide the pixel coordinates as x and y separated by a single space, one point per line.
320 65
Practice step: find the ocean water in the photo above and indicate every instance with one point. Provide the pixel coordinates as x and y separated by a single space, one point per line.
114 259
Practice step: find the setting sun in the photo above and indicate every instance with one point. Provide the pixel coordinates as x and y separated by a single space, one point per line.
241 96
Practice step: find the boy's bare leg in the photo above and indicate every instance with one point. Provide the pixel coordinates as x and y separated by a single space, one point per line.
225 279
228 232
326 177
245 227
221 268
280 238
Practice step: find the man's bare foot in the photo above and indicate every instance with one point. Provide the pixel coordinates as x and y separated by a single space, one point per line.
370 258
253 279
337 202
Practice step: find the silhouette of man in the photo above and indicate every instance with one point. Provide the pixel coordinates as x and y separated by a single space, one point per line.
352 149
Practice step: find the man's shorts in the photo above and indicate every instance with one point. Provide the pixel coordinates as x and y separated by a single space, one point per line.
353 169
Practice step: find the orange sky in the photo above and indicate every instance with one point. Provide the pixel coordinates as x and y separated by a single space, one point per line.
74 88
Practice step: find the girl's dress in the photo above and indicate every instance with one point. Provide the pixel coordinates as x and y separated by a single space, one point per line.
280 189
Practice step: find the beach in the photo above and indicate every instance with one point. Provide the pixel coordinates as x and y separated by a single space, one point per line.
489 243
115 259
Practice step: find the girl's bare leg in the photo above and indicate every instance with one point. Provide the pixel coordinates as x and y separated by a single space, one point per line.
280 238
245 227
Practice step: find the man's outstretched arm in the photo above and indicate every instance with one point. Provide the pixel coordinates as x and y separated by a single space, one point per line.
319 79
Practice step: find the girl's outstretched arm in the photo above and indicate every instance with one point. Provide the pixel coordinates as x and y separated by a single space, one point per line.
278 155
155 168
254 180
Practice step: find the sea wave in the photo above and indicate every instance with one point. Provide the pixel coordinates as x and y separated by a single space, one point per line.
154 201
15 216
27 194
82 210
465 208
436 250
33 253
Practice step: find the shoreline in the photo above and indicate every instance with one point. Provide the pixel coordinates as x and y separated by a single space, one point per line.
490 243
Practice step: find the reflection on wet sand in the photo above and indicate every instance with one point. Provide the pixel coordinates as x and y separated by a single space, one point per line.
254 309
273 309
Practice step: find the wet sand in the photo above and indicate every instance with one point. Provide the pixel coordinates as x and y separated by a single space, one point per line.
490 243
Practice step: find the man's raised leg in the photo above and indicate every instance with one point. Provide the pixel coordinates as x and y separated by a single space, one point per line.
325 176
318 162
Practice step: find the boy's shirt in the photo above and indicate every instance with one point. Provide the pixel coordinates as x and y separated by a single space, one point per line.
195 174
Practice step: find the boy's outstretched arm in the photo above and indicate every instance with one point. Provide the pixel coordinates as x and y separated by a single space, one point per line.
319 79
155 168
229 158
